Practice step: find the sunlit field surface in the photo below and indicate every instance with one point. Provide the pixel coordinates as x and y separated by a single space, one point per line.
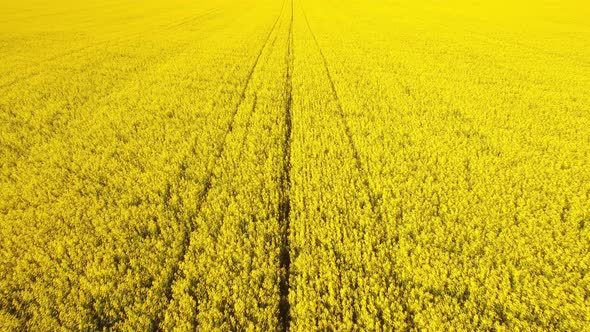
301 165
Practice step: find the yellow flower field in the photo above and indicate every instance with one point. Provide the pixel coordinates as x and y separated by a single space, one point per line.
261 165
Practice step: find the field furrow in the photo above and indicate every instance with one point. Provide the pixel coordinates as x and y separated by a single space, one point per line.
266 47
245 223
285 185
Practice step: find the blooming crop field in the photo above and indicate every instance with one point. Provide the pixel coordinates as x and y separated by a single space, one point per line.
304 165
